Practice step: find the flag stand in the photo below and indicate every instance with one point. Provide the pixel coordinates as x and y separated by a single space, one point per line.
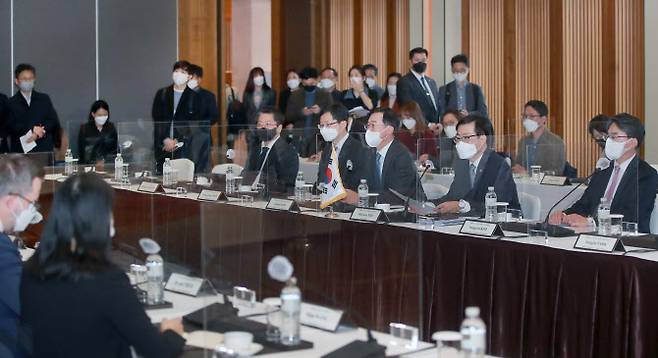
331 214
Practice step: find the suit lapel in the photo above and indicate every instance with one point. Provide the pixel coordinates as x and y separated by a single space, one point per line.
420 88
630 176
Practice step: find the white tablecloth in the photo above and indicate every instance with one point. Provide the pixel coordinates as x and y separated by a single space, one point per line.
323 341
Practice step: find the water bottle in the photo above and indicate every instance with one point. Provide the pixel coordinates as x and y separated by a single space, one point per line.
118 168
474 334
167 172
291 303
490 200
230 180
155 277
603 216
300 187
68 163
363 194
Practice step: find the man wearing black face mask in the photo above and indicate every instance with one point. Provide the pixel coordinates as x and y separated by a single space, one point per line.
304 110
272 162
416 86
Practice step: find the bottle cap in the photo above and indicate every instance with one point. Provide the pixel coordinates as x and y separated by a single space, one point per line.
491 188
149 246
472 312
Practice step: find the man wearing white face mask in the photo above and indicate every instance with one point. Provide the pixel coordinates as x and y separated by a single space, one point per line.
328 78
477 169
392 166
540 146
629 186
352 155
20 184
31 112
460 94
173 108
371 72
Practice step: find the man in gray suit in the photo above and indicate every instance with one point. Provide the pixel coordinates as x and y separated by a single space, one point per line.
540 146
460 94
477 169
416 86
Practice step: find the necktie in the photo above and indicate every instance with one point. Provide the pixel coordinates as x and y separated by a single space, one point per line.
261 157
378 171
427 90
610 193
473 174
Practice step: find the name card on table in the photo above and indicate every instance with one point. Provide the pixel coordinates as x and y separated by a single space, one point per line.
212 195
150 187
369 215
598 243
481 228
184 284
320 317
554 180
282 205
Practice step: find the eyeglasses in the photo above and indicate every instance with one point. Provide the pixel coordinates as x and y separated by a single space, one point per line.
31 202
320 126
615 137
465 138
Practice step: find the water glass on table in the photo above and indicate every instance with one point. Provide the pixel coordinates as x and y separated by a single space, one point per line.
535 172
629 229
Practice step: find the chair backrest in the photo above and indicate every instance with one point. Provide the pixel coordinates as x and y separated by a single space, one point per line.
530 205
184 168
434 191
221 169
653 223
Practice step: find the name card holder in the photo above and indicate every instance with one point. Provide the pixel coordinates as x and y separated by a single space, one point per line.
599 243
282 205
555 180
481 228
321 317
186 285
244 297
150 187
369 215
212 195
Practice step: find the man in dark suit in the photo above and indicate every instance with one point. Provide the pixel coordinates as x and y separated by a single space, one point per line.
20 184
33 112
304 109
416 86
391 163
272 162
4 119
477 169
353 158
371 72
460 94
629 186
208 114
174 107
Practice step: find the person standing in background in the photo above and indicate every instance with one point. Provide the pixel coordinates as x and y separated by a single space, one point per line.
328 81
31 113
257 95
209 115
292 85
390 98
418 87
460 94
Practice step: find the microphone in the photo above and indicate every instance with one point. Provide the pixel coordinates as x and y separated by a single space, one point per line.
280 269
427 167
601 164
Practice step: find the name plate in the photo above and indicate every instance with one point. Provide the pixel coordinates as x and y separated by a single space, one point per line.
369 215
244 297
184 284
320 317
211 195
149 187
554 180
598 243
481 228
282 205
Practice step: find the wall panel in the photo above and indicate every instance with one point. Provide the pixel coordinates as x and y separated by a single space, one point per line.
6 72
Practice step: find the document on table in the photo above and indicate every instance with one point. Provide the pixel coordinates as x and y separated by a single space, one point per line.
27 146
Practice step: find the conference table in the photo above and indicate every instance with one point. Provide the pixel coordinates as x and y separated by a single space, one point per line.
548 195
538 297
